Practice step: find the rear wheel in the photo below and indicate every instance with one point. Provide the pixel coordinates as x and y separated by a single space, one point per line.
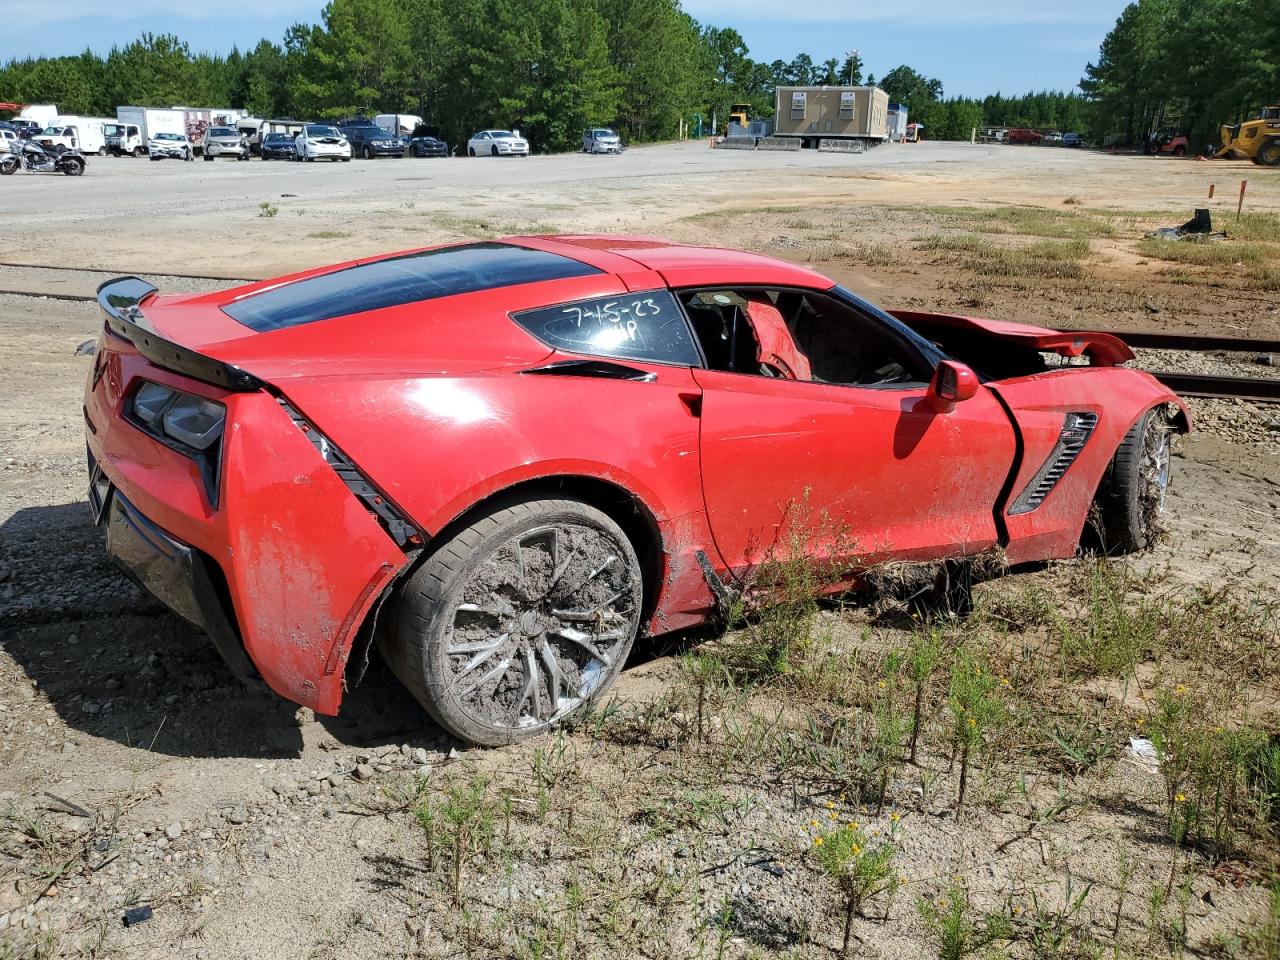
73 167
1269 153
1131 498
518 621
471 151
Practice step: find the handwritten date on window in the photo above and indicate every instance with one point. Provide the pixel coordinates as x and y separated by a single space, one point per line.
642 326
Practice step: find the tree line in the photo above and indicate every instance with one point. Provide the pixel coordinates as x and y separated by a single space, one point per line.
549 67
1184 66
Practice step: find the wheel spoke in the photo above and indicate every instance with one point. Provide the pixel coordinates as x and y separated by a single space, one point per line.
557 676
482 653
497 671
591 576
583 640
532 687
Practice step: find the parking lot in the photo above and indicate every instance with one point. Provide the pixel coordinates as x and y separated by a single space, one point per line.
255 831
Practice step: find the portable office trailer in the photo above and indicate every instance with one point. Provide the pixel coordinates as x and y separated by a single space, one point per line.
832 113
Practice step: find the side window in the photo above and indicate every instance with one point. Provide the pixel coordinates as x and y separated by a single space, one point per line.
634 326
799 335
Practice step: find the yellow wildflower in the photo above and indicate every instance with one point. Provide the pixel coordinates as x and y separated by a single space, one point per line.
895 816
881 684
813 823
829 805
1181 798
817 841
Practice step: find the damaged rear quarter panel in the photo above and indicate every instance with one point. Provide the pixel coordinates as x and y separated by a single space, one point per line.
305 559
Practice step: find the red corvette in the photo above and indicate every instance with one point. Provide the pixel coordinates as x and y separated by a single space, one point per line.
504 461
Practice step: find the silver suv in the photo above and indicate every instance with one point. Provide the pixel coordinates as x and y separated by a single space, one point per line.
225 142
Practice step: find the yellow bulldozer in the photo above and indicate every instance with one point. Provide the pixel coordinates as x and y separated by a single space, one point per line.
1257 140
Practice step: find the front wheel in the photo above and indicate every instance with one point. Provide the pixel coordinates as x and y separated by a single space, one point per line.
1268 154
518 621
73 167
8 165
1132 495
471 151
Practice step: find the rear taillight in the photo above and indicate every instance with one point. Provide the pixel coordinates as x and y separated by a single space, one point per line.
188 419
183 422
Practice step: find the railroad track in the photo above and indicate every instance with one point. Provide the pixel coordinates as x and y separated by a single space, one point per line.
1211 386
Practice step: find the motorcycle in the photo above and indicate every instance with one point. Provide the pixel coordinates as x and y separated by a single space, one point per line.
38 159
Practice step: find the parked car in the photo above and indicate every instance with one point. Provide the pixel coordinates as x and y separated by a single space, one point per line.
1072 140
277 146
8 138
26 128
225 142
321 142
163 146
601 140
368 140
425 142
518 462
1053 136
497 143
1023 135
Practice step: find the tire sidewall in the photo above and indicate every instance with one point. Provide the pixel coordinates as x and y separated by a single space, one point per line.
418 639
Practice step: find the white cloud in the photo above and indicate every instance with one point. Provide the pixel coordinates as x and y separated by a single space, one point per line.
923 13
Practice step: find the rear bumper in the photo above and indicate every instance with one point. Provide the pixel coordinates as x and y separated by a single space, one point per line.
179 576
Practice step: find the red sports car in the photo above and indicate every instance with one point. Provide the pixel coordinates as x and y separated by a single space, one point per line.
504 461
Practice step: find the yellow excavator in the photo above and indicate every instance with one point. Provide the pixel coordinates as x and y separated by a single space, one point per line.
1257 140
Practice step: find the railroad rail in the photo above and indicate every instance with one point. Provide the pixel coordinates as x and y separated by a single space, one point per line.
1209 386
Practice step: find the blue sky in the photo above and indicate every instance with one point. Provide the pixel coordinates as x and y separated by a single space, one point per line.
973 46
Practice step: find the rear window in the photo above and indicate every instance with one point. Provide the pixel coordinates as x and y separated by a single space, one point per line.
400 280
634 326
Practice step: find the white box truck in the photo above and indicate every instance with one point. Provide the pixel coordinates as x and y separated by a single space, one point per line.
124 139
78 133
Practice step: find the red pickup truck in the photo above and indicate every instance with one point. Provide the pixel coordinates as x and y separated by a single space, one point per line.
1022 135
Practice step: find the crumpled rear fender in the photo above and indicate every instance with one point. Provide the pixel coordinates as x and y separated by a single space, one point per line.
304 558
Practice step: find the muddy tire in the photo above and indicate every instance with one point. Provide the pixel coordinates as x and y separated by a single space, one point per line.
518 621
1131 498
1268 154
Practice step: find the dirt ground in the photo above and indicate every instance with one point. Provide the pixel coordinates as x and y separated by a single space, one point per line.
134 772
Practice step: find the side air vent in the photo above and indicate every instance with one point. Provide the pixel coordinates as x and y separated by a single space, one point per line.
1076 430
398 527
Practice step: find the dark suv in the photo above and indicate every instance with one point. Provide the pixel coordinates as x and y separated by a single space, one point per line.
368 140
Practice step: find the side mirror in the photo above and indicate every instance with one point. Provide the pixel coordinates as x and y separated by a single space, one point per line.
952 382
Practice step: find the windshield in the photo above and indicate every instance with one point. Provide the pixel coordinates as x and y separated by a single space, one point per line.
55 131
222 132
603 133
317 131
501 134
277 138
167 136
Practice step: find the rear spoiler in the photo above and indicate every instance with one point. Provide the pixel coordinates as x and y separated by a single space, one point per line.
121 301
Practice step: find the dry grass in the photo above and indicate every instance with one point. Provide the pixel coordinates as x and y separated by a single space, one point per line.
1044 259
1024 221
1209 253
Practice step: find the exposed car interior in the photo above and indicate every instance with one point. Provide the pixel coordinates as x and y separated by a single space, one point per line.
798 335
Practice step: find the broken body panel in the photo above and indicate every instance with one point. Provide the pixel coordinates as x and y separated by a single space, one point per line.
352 442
